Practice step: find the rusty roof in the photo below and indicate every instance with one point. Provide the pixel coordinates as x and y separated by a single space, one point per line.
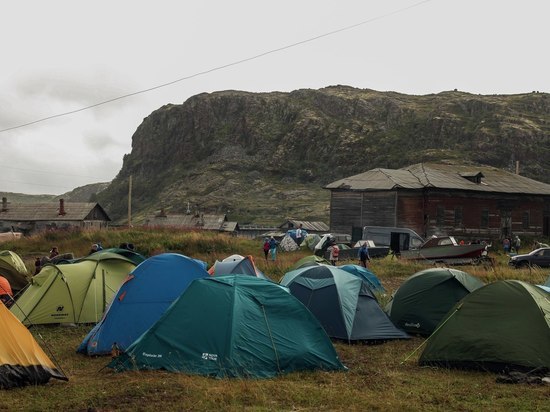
442 176
49 211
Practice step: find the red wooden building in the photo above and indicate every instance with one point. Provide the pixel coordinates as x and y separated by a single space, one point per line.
442 199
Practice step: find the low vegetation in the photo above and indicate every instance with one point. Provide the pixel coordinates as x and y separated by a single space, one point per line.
379 377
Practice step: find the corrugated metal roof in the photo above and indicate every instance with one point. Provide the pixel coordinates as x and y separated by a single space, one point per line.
442 176
32 212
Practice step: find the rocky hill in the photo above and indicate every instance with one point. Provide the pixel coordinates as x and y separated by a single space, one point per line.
262 157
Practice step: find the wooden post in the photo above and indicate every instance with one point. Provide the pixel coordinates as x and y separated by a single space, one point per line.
130 202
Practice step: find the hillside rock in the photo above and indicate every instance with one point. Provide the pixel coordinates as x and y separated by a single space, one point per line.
264 156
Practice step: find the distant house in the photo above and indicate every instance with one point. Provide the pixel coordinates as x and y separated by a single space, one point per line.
193 221
473 201
309 227
33 217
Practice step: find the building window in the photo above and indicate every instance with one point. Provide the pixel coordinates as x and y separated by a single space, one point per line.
440 215
485 218
525 220
458 216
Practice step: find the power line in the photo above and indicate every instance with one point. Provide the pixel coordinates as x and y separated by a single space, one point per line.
46 171
237 62
37 184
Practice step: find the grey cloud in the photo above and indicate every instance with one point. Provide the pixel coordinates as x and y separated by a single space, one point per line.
99 141
83 89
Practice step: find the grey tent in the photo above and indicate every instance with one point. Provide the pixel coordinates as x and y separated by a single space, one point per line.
343 303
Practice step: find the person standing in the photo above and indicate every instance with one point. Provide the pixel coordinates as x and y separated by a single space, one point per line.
506 245
364 255
273 248
266 247
37 266
299 235
334 253
54 252
517 244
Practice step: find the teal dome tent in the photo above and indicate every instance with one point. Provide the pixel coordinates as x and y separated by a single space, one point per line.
233 326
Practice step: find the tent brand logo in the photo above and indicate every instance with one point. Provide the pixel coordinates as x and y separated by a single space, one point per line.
210 356
412 325
152 355
58 314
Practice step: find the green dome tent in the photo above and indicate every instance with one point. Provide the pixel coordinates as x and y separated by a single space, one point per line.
13 269
502 326
73 293
311 260
233 326
342 302
425 298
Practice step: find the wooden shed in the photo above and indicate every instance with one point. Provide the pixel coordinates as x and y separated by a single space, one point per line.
33 217
437 199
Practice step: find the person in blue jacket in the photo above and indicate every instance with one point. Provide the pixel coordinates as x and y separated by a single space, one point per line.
364 254
273 248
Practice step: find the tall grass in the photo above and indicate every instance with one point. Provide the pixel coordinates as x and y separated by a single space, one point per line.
378 378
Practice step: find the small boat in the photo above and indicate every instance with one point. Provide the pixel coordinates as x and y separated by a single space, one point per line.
446 249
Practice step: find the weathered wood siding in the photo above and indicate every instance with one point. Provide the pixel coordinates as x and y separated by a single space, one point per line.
471 207
410 211
442 212
358 209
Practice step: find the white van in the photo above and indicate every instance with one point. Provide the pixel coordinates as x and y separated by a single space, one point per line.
397 238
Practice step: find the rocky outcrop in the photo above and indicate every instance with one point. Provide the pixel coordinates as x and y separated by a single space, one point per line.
247 152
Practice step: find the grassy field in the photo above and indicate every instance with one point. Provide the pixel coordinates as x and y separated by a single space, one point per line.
380 377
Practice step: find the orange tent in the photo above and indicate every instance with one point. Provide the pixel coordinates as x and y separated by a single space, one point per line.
22 361
5 288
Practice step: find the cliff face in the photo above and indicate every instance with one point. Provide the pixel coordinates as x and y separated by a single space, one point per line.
264 156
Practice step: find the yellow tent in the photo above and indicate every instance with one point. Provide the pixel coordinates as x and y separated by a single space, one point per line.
22 361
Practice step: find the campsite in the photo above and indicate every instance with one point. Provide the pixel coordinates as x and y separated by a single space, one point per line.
380 374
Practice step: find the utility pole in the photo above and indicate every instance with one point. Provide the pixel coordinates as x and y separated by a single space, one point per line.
130 202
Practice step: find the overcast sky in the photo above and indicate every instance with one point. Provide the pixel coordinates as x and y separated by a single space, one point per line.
60 56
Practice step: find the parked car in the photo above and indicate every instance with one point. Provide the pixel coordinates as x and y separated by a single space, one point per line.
538 257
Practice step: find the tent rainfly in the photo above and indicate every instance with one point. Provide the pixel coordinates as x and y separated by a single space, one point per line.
342 302
73 293
22 361
500 327
233 326
423 299
145 295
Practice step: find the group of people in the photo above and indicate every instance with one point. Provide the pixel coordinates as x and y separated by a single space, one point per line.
270 249
39 262
511 245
